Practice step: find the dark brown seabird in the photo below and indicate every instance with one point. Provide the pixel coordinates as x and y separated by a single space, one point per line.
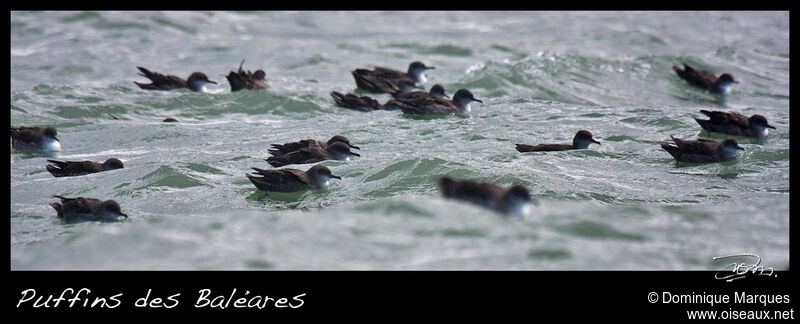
581 141
490 195
35 138
242 79
706 80
281 149
437 90
291 180
734 123
459 105
365 103
702 150
360 103
336 151
382 79
196 81
87 209
77 168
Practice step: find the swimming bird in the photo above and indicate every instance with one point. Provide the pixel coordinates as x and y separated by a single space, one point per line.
196 81
434 105
360 103
77 168
382 79
365 103
490 195
87 209
706 80
734 123
336 151
291 180
35 138
169 120
281 149
247 80
702 150
581 141
436 91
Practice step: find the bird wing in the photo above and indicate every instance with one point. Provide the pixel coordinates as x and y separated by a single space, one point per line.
25 134
160 81
282 180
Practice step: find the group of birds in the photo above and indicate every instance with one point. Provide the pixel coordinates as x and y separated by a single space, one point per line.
410 98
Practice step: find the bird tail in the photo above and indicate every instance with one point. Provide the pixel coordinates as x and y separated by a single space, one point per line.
672 150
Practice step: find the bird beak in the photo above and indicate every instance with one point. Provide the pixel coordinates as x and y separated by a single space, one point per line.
595 141
430 68
355 147
473 99
336 177
770 126
739 148
214 82
126 216
356 154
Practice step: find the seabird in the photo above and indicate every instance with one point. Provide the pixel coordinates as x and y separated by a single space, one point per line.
436 91
76 168
581 141
490 195
365 103
281 149
734 123
247 80
87 209
434 105
705 79
360 103
336 151
702 150
196 81
291 180
382 79
35 138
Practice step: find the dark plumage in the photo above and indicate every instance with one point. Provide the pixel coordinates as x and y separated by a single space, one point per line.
705 80
195 82
291 180
734 123
702 150
87 209
77 168
486 194
35 138
581 141
336 151
382 80
365 103
281 149
436 91
246 80
362 103
433 104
